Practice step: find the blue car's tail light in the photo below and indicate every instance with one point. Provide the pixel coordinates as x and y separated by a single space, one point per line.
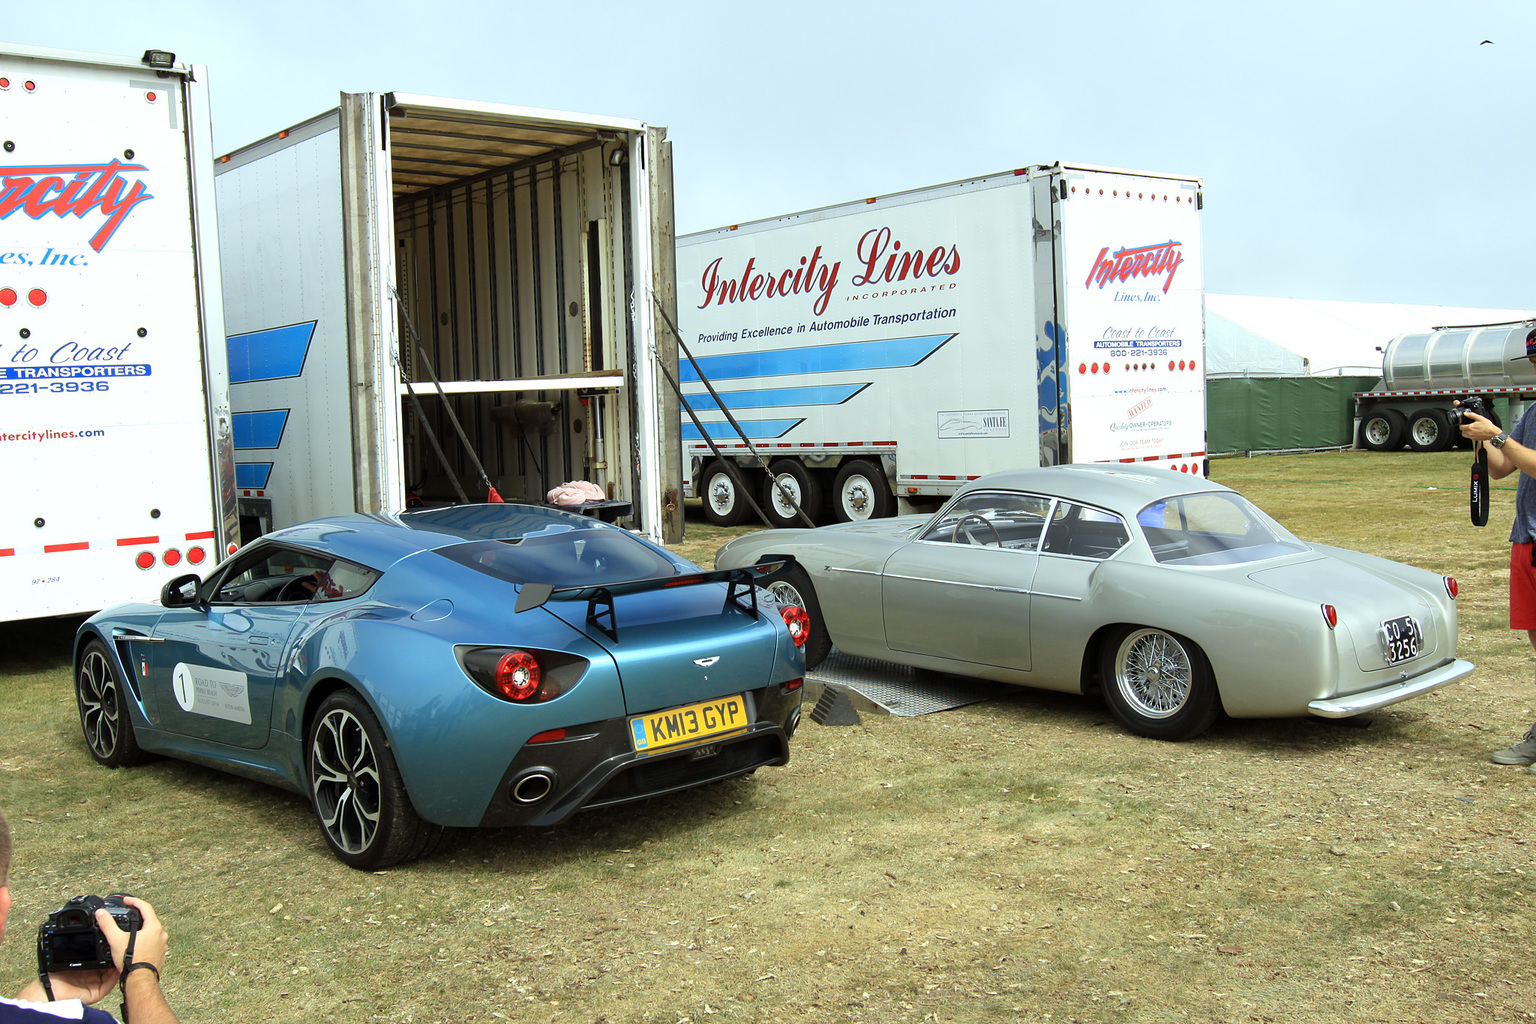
518 675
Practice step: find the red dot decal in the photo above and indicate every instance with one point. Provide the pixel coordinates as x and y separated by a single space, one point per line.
5 83
145 560
37 297
30 86
150 97
1170 364
1082 367
7 297
196 556
172 557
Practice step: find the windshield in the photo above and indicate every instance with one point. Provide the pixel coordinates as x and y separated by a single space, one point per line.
568 558
1214 528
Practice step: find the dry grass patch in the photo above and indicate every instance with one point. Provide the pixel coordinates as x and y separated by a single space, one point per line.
1019 859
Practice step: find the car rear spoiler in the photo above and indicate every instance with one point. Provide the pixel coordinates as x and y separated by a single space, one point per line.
741 591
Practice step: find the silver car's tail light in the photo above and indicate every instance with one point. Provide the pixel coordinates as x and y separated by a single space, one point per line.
799 623
1451 587
1330 616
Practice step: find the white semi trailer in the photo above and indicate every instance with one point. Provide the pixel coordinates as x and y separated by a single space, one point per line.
529 250
887 350
115 426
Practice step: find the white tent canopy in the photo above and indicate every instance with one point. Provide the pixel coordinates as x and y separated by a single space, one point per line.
1257 336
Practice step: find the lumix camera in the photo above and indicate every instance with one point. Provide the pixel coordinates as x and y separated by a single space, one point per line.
71 940
1472 403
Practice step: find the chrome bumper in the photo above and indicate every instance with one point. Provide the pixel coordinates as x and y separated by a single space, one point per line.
1370 700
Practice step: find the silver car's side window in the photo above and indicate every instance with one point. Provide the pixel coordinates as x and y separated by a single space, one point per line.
993 519
1085 532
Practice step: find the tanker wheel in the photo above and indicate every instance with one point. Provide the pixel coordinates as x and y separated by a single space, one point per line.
1381 430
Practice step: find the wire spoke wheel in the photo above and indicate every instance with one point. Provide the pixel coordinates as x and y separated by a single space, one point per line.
1153 673
344 772
1158 683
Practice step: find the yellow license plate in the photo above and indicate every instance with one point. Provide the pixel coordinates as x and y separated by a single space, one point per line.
662 729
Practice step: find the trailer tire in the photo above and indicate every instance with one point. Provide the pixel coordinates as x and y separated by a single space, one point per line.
1429 430
803 488
860 493
1381 430
724 494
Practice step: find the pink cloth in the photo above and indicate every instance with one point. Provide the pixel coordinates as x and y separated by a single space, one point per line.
575 492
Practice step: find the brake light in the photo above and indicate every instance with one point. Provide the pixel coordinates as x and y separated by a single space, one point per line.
1331 615
799 623
1451 587
517 676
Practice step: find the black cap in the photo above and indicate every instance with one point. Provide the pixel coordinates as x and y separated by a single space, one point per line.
1530 346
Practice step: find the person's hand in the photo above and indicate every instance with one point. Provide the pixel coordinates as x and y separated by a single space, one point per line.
1475 427
86 986
152 941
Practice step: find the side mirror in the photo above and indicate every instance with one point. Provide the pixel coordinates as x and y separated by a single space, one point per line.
181 591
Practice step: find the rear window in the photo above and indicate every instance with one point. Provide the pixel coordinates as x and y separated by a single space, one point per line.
570 558
1213 528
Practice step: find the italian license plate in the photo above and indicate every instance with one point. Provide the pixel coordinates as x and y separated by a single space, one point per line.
660 730
1401 639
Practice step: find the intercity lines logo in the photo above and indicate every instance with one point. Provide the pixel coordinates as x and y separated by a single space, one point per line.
1141 261
64 190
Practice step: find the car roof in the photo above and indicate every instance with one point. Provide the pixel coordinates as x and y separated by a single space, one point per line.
379 540
1126 488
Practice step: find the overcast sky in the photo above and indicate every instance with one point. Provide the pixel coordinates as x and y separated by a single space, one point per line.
1371 151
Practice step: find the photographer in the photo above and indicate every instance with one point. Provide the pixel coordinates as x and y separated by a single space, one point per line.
1508 452
143 1002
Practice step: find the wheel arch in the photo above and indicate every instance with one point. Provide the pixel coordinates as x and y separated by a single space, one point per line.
1092 679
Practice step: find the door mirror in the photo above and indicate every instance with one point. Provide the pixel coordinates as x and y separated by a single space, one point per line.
181 591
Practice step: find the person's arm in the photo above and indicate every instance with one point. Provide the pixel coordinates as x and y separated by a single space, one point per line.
1501 461
144 1001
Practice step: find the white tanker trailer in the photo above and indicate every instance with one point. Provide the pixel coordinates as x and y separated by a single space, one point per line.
1423 373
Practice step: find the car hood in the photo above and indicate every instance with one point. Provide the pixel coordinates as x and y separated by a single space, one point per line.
1363 599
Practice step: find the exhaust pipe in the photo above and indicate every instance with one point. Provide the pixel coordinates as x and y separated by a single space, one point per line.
533 785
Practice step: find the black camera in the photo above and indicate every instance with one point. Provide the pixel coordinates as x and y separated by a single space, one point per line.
1472 403
71 940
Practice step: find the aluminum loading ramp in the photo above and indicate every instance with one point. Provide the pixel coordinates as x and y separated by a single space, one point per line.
899 689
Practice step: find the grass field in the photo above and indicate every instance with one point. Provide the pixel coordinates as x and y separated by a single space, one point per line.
1021 859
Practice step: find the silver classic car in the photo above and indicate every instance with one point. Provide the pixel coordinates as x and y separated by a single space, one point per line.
1173 596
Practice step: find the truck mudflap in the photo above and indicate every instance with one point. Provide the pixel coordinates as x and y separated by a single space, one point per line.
1382 696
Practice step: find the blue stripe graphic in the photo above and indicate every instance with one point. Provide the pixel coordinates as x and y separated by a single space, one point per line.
270 354
757 430
259 429
252 474
853 355
831 394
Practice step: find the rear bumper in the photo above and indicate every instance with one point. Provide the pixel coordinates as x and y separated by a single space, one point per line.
596 766
1370 700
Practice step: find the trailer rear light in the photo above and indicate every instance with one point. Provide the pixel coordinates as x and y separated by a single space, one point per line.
799 623
5 83
231 548
1451 587
37 297
150 96
30 86
8 297
145 560
195 556
171 557
1330 615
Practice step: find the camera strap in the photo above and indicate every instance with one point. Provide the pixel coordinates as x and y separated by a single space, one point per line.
42 976
1478 489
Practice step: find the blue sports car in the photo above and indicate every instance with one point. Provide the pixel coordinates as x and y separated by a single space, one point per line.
479 665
